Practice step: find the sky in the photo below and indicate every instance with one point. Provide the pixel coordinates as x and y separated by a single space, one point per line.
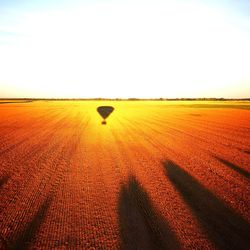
124 49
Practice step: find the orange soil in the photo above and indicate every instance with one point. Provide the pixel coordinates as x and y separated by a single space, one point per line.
156 176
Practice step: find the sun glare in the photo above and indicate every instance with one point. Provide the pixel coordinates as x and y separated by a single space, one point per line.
125 50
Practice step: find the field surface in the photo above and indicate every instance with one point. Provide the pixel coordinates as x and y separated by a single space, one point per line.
158 175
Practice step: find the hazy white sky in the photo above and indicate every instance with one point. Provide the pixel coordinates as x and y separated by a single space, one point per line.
125 49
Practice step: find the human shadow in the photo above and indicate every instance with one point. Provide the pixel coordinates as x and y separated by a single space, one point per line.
239 170
104 112
27 235
4 180
223 226
141 226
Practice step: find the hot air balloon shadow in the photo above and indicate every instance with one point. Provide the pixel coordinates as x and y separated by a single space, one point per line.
104 112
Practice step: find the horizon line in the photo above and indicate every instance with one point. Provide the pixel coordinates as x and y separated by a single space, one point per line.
126 99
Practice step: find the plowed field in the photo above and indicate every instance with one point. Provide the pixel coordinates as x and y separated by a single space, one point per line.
158 175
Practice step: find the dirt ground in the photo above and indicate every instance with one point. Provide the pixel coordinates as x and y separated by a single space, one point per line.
158 175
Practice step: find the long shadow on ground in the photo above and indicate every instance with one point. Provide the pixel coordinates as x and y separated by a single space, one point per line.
27 235
223 226
141 226
234 167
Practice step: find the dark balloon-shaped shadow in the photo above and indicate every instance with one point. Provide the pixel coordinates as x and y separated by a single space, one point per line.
141 226
104 112
223 226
